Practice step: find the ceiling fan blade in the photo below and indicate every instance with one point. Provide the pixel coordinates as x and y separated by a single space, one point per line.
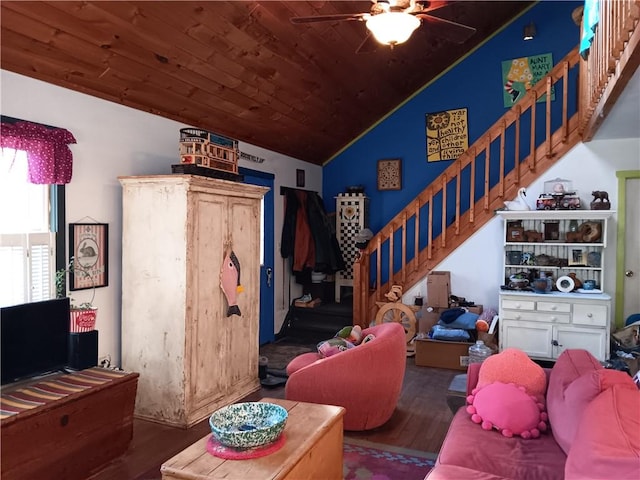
368 45
330 18
452 31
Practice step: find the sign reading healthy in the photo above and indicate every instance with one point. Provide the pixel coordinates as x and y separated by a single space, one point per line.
447 134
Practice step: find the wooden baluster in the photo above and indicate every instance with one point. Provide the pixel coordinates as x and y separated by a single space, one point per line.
487 161
532 154
379 269
359 284
416 246
443 234
501 172
403 265
549 154
430 235
391 263
458 175
565 96
472 188
516 166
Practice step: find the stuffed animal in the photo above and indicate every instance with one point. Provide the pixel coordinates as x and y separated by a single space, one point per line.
395 294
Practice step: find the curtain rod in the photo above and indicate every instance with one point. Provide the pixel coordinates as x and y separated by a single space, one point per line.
7 119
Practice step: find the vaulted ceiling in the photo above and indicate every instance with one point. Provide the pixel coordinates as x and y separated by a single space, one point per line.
239 68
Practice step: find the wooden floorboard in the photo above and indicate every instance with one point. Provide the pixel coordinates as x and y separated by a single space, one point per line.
420 422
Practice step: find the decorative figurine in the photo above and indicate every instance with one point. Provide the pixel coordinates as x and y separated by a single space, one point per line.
519 203
600 200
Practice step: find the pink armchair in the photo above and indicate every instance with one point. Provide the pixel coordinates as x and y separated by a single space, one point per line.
365 380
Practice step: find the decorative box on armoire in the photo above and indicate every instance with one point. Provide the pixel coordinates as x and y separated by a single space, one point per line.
192 357
351 217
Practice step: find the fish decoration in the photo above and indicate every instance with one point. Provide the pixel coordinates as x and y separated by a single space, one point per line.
230 282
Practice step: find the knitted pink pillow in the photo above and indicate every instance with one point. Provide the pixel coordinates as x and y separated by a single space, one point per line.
507 408
514 366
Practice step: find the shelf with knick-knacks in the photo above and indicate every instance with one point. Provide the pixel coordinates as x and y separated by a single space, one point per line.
553 297
555 243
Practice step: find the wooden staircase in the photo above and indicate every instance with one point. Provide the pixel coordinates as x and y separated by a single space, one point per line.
534 134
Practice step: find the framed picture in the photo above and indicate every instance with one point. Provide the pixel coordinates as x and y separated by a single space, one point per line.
89 248
390 174
577 256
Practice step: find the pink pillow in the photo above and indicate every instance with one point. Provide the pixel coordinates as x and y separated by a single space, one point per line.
607 441
577 396
565 413
507 408
514 366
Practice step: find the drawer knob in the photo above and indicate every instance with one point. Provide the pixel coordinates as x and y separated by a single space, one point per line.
553 319
517 305
518 317
555 343
553 307
590 315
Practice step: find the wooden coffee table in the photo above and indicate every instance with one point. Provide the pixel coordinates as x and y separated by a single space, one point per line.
313 449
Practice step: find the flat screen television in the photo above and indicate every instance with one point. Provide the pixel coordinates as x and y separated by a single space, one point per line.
34 339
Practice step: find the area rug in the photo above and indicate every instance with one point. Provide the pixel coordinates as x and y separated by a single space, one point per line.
365 460
280 354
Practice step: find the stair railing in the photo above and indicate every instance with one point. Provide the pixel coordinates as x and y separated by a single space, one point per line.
518 148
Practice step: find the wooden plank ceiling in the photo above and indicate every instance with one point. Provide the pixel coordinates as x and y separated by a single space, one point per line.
238 68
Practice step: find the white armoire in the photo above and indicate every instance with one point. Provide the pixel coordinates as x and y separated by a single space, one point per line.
191 357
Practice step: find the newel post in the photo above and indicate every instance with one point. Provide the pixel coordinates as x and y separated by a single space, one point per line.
360 290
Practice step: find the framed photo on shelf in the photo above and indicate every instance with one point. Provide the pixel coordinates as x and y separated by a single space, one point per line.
89 248
390 174
577 257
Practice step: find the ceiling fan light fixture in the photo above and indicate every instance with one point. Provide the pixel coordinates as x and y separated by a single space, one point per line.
392 28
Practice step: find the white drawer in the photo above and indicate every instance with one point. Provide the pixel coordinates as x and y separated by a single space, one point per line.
554 307
519 304
588 314
544 317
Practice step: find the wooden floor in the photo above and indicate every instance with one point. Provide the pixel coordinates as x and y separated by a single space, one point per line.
420 422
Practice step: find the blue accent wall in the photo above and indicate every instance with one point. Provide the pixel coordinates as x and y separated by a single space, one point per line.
475 83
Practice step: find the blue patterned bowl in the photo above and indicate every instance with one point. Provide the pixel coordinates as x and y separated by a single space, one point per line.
249 424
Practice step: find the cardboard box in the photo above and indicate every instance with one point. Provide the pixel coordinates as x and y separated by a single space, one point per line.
438 289
477 309
439 354
427 319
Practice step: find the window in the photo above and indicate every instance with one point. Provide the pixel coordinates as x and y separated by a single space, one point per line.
27 233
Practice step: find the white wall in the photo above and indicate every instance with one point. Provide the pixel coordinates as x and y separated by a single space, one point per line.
476 266
114 140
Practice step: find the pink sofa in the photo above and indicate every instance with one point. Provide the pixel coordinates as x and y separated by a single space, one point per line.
366 380
594 416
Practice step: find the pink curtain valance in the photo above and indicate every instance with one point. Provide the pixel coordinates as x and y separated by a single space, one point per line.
48 153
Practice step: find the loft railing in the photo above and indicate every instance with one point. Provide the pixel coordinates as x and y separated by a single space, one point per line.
612 59
516 150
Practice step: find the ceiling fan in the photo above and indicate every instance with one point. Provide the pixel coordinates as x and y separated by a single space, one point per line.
392 22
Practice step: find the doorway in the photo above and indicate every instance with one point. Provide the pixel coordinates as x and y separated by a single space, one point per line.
628 254
267 327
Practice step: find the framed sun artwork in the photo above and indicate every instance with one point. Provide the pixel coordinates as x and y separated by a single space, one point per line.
390 174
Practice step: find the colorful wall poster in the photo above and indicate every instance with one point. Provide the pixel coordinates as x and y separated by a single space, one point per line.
520 74
447 134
